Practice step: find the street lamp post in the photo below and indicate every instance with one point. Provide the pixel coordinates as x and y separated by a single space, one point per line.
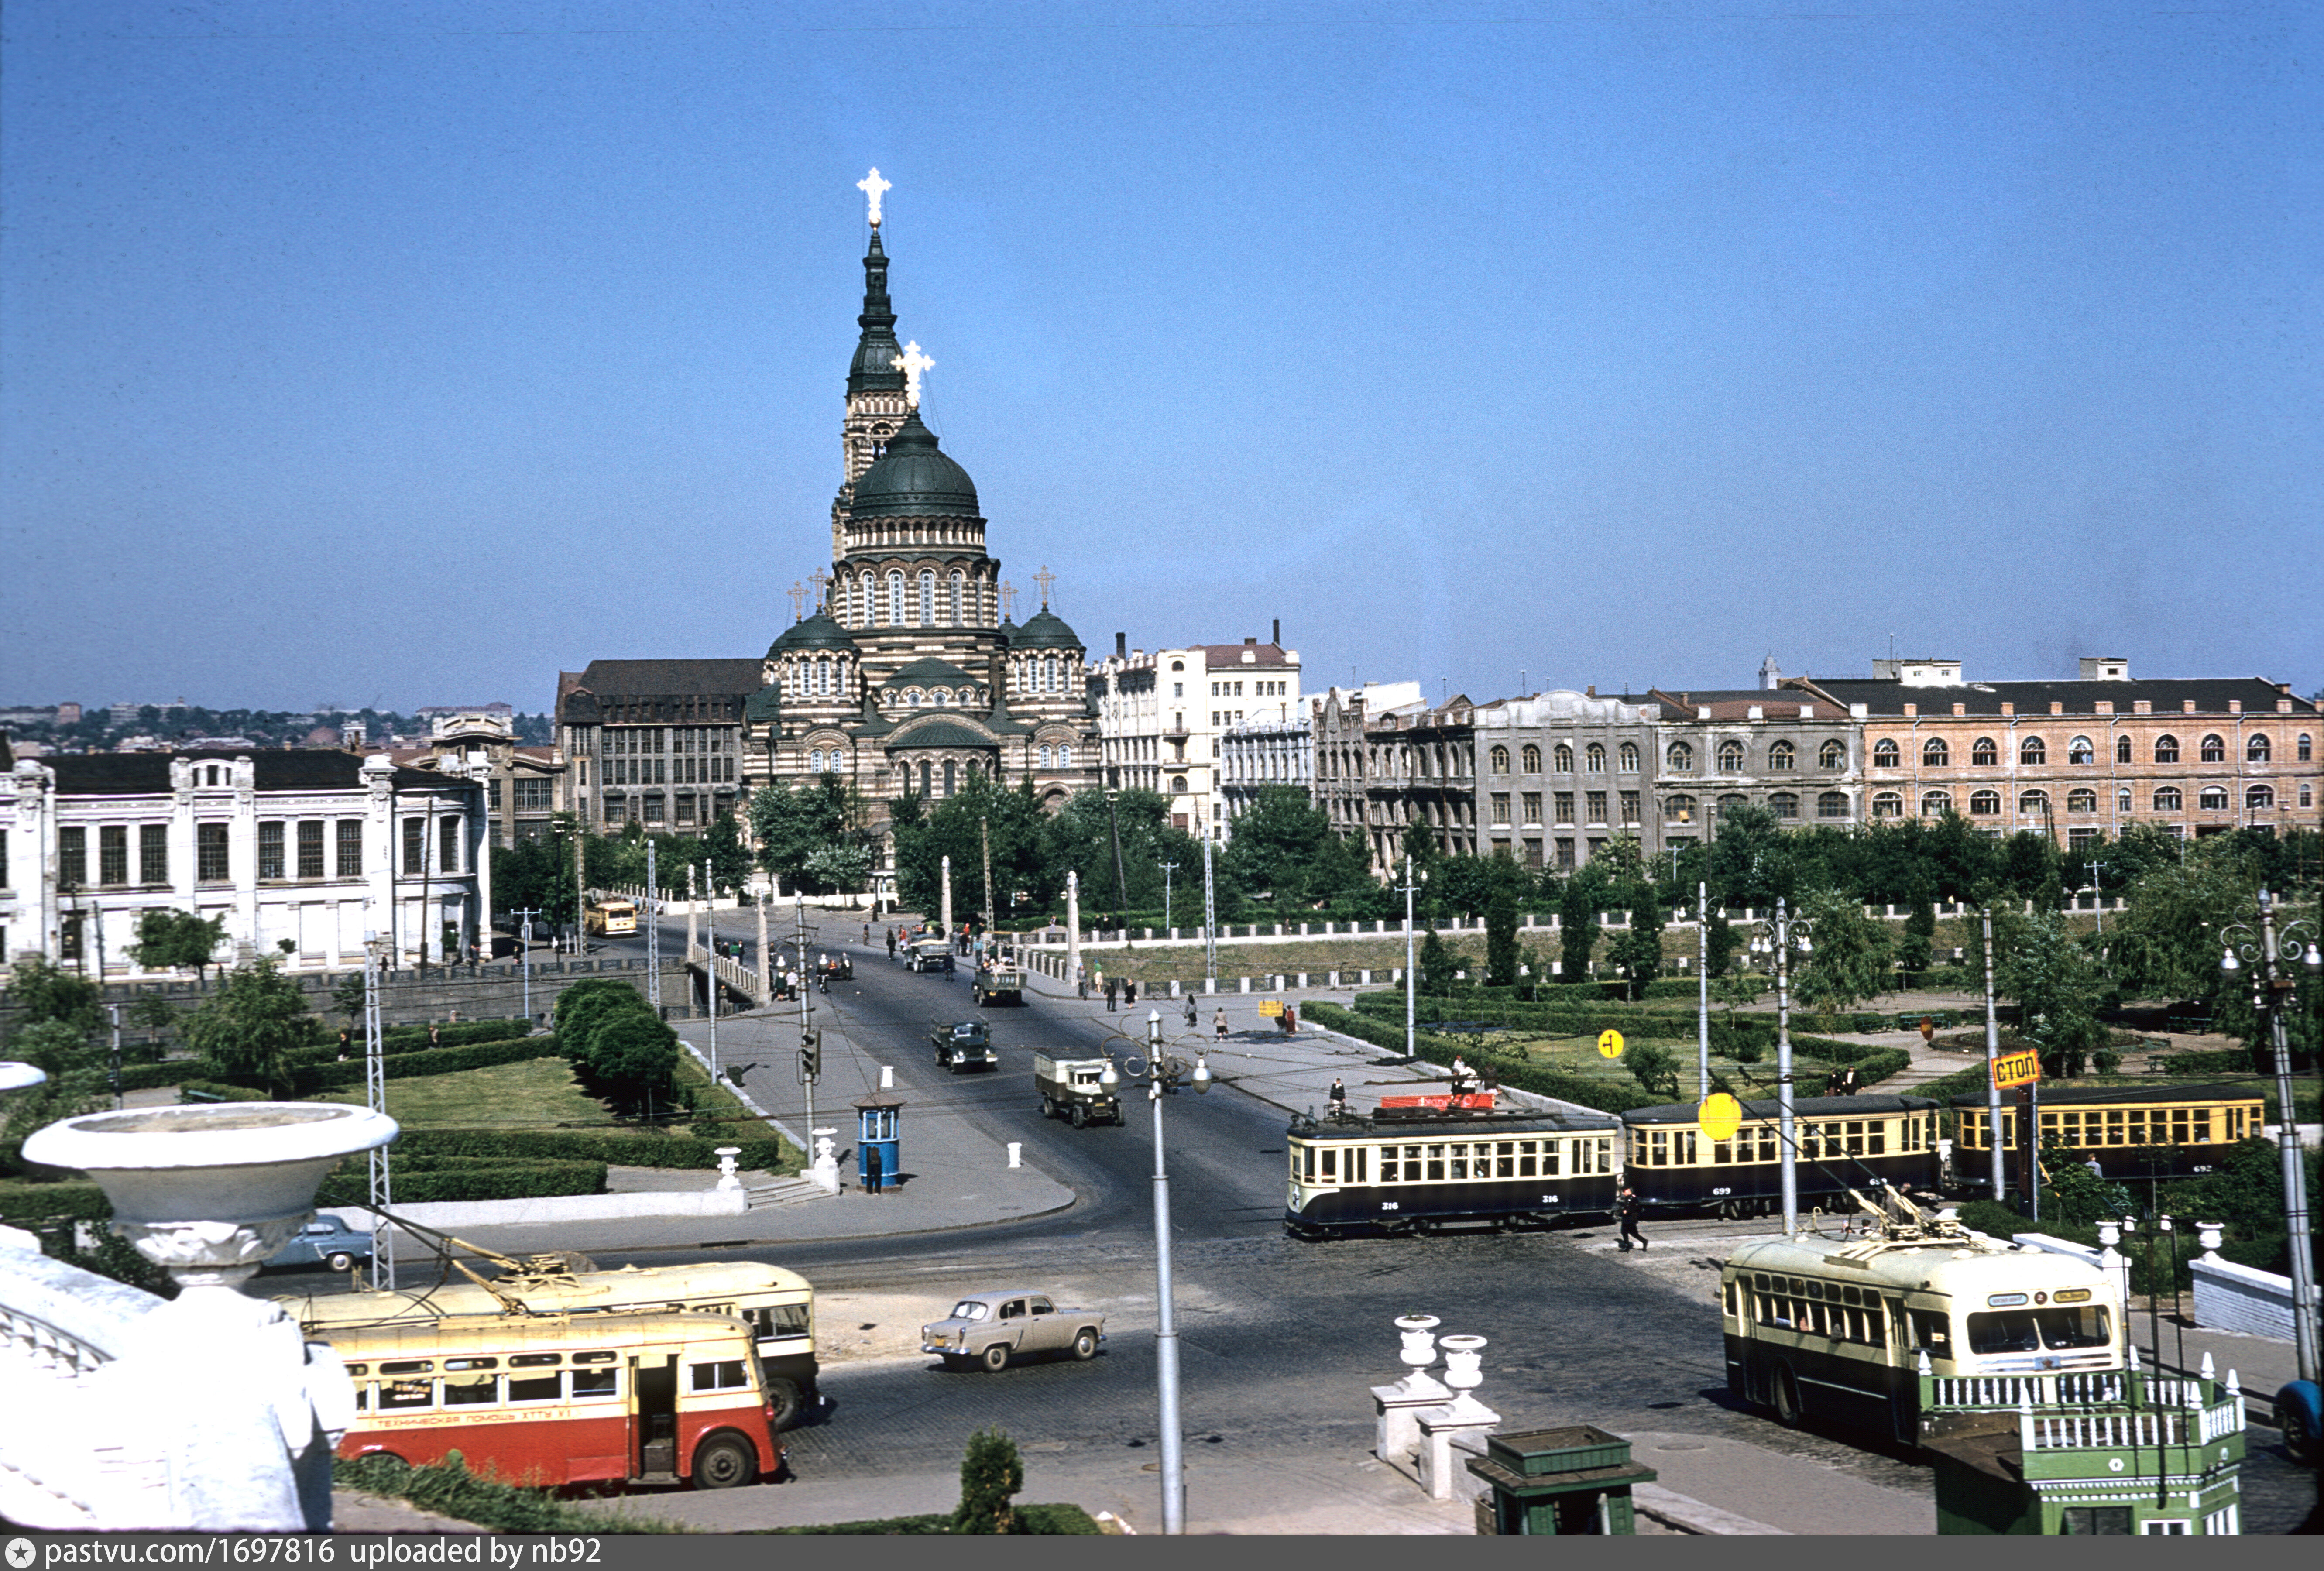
1162 1072
1411 982
653 932
1167 868
382 1189
524 954
1992 1059
2295 942
1703 985
1776 940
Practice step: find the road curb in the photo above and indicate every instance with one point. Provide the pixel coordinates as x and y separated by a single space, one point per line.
1689 1515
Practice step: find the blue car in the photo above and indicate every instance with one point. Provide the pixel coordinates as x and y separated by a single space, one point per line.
325 1241
2300 1409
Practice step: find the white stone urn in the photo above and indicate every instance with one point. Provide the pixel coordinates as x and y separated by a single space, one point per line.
2210 1233
728 1178
1418 1352
1463 1371
18 1077
209 1192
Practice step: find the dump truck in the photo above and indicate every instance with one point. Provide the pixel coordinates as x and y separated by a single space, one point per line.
1070 1089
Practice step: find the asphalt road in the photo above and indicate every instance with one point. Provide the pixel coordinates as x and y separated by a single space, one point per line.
1280 1340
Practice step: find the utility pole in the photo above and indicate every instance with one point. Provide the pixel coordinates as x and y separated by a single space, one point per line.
2271 993
654 932
766 963
1167 868
807 1020
1411 979
1702 984
984 843
710 965
1992 1058
383 1189
1209 914
115 1060
524 954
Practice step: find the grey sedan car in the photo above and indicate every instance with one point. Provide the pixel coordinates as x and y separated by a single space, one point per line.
325 1241
993 1330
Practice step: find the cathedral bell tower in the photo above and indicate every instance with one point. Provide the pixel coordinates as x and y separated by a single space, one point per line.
875 384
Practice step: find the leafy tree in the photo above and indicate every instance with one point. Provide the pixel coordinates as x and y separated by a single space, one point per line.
176 939
1436 964
2074 1195
1637 949
958 826
634 1052
254 1024
730 861
1848 960
1281 843
1501 958
47 992
1736 993
2030 867
989 1473
1720 945
1751 859
791 824
1914 949
2048 969
152 1013
570 1001
67 1052
1418 843
1654 1067
1577 921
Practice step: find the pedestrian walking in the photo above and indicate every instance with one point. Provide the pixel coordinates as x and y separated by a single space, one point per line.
1219 1023
1192 1018
1080 978
1130 990
345 1043
891 946
867 935
1628 1207
1338 1100
1112 992
947 970
1291 1020
435 1034
1849 1081
1928 1030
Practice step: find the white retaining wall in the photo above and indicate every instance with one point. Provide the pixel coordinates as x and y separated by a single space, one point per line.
452 1215
2236 1298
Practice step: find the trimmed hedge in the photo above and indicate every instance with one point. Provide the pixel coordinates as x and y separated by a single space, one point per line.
452 1033
151 1077
1037 1520
2233 1061
1580 1020
25 1203
448 1489
474 1181
760 1152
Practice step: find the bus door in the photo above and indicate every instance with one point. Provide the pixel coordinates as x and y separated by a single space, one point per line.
654 1383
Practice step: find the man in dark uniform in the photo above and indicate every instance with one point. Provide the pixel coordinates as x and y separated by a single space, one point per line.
1628 1208
1338 1098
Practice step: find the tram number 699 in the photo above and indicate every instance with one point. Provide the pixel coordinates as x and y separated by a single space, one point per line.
1723 1189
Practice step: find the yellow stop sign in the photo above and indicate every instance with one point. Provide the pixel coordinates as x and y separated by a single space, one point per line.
1609 1044
1720 1115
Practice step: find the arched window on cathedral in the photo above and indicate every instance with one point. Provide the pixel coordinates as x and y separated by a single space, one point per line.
822 677
895 600
927 599
959 597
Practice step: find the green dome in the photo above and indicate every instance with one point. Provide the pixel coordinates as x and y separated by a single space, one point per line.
817 632
1044 630
912 479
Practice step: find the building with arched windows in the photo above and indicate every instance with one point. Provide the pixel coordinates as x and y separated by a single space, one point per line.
906 673
1164 721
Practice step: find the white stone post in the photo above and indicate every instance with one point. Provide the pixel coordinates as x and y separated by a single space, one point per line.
727 1177
2210 1233
1456 1430
945 920
1073 928
824 1170
1397 1406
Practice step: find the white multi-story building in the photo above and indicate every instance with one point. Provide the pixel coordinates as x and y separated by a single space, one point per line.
1163 718
1260 753
311 849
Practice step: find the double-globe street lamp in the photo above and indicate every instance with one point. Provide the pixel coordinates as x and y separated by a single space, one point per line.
2294 943
1163 1071
1776 939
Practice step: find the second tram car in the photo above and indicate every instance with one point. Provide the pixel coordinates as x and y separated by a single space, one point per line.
1423 1170
1844 1142
2132 1132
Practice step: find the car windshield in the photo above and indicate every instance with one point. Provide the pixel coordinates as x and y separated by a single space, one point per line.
970 1310
2030 1330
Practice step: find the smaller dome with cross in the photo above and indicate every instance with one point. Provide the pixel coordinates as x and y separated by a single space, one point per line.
912 479
1044 629
817 632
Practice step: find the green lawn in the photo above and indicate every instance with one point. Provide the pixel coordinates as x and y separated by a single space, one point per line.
539 1093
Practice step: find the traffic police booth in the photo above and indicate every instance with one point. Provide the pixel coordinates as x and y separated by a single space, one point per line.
878 1141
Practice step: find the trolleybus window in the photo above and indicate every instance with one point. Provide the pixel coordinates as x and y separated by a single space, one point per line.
723 1374
2030 1330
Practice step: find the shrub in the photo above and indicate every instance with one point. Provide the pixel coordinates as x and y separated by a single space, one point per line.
219 1091
442 1061
498 1181
989 1473
23 1203
448 1489
761 1150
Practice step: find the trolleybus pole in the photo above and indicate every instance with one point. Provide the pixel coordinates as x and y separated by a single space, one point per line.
1778 936
1992 1053
2271 992
1702 979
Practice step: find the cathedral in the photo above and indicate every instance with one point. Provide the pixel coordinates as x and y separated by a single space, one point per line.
908 675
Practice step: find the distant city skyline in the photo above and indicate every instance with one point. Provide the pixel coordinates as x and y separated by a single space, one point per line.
408 347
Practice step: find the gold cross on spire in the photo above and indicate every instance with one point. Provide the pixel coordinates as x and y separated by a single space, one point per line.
821 580
873 186
1045 578
912 363
797 592
1007 601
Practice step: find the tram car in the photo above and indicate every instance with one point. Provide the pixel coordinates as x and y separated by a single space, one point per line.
1427 1168
1843 1143
1836 1329
2134 1132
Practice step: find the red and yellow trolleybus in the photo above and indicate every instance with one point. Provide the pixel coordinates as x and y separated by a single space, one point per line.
653 1398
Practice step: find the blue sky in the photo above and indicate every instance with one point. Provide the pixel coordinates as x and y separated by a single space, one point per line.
406 352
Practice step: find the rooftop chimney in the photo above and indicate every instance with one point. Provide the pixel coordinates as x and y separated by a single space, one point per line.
1277 639
1122 646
